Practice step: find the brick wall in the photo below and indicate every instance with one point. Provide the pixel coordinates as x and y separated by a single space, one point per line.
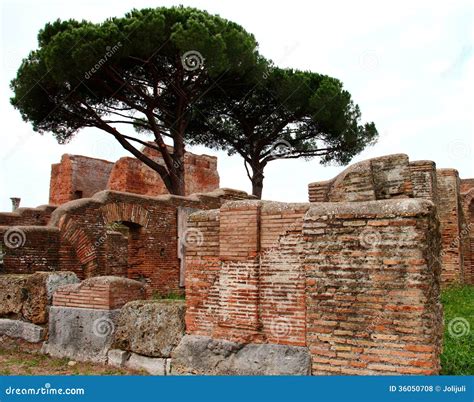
374 179
202 273
468 234
102 293
393 176
116 249
450 217
467 185
90 247
424 182
27 216
343 279
28 249
77 177
131 175
242 284
372 277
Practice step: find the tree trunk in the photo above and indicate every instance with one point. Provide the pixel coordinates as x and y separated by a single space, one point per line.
257 180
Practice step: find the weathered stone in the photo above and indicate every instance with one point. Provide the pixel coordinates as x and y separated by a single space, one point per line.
79 333
150 328
22 330
117 357
56 279
28 296
204 355
150 365
13 293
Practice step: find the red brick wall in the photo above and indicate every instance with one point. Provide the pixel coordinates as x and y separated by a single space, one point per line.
116 249
423 178
28 249
468 235
273 272
103 293
81 177
152 244
467 185
372 277
27 216
77 177
450 225
202 273
393 176
131 175
241 284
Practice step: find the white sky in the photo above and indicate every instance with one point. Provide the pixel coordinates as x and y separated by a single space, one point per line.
409 65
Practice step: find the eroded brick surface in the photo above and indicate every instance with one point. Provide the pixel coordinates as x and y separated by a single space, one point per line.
394 176
100 293
343 279
79 176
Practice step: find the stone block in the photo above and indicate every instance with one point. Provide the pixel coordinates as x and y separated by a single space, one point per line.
27 296
150 328
204 355
117 357
151 365
80 334
23 330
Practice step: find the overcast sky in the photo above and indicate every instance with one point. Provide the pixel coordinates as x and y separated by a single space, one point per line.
409 65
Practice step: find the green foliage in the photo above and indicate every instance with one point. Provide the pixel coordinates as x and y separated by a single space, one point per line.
169 296
193 77
458 344
309 111
83 70
309 114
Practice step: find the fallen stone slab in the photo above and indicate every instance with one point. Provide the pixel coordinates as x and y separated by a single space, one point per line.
80 334
20 329
153 366
150 328
205 355
117 357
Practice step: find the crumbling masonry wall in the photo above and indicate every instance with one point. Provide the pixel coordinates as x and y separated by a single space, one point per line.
111 233
77 177
312 275
132 176
394 176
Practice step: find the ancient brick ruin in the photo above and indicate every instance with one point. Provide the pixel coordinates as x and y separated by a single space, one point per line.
394 176
81 177
347 283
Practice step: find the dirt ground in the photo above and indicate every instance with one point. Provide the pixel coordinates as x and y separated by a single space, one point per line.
26 360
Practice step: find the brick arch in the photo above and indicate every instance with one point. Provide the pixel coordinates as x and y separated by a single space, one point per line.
74 236
126 212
